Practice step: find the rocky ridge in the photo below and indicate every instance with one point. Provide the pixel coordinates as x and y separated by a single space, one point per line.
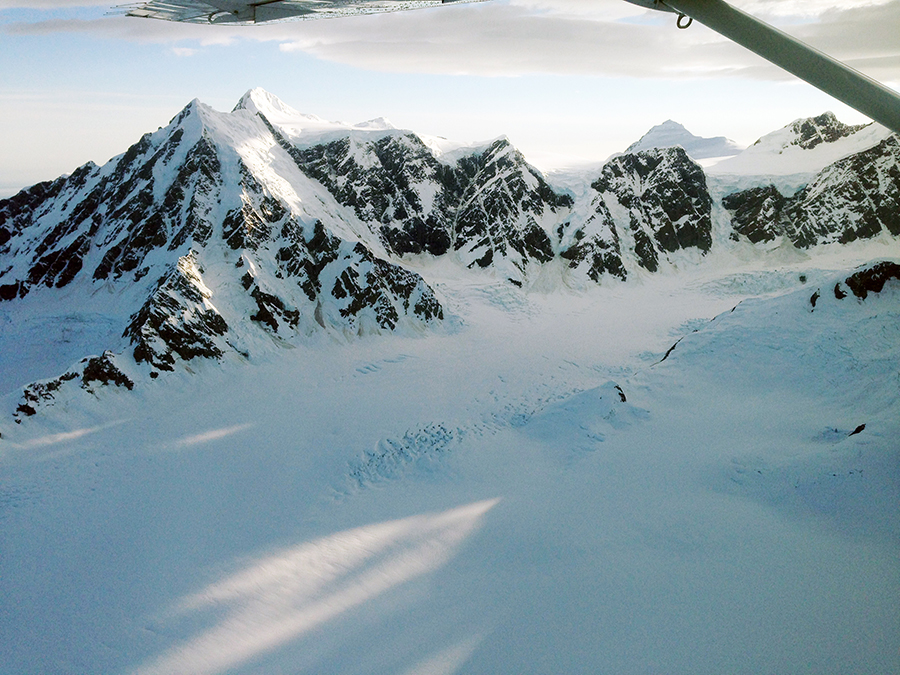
857 197
224 232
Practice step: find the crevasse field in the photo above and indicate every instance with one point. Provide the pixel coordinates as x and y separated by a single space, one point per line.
532 488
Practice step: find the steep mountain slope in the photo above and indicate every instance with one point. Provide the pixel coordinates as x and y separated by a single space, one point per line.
486 203
857 197
191 235
646 205
792 156
224 235
317 398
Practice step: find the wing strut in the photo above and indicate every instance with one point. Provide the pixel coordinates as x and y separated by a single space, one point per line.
831 76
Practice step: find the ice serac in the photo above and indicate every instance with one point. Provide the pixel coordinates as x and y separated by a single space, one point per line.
857 197
204 246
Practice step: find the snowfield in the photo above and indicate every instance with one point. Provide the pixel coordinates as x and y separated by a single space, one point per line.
543 485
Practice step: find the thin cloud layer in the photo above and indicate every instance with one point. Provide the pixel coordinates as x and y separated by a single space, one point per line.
518 37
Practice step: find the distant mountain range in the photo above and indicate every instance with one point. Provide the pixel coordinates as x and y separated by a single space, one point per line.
225 232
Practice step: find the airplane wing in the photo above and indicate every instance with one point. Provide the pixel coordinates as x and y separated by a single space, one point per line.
261 11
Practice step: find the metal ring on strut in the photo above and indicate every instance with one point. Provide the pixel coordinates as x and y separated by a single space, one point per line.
681 18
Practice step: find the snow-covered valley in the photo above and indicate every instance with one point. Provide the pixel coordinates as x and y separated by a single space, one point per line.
483 501
690 469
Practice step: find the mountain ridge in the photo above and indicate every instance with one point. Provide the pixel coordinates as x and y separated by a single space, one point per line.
222 234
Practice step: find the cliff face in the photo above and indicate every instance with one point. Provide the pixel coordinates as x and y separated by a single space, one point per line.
490 206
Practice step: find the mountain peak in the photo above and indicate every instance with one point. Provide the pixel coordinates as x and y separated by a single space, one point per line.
377 124
671 133
825 128
260 100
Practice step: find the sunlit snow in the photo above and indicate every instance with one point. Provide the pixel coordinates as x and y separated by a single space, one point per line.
692 471
517 515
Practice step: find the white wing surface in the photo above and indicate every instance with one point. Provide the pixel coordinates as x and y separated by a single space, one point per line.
261 11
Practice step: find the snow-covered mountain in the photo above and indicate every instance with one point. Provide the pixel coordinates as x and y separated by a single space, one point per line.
208 237
279 394
224 234
857 197
792 156
670 134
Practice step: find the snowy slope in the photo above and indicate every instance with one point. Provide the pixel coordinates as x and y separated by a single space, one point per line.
551 488
670 134
281 418
227 235
302 225
793 155
857 197
196 229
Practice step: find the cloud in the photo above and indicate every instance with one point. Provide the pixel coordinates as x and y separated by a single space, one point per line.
518 37
610 38
797 9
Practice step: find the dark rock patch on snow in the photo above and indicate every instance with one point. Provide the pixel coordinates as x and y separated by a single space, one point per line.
90 374
872 279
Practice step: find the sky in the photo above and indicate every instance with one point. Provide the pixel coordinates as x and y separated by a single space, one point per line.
568 81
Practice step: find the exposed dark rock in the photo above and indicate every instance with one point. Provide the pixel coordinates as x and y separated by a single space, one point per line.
669 351
205 253
175 320
667 200
304 260
857 197
383 192
501 204
757 213
644 250
599 252
102 369
90 373
825 128
258 217
872 279
489 205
